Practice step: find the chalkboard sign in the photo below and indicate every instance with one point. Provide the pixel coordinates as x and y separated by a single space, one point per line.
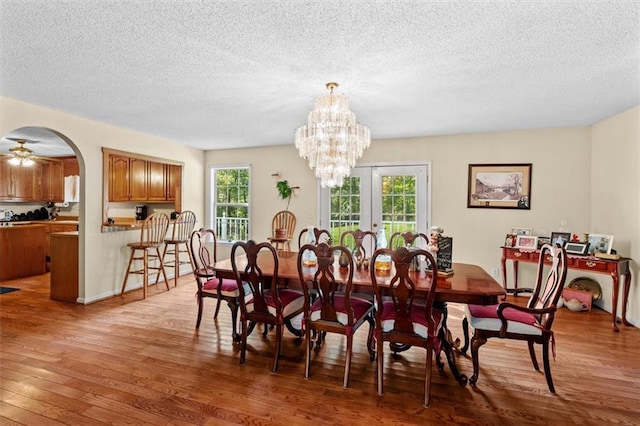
443 257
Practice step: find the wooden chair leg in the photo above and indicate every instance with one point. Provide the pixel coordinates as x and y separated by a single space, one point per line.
347 363
161 266
427 376
215 314
309 345
234 318
161 259
476 342
547 366
532 353
126 275
380 361
278 347
145 272
465 332
200 302
243 346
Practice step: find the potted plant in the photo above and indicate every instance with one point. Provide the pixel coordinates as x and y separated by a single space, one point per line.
286 192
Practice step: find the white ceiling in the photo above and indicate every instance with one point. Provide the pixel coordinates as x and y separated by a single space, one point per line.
223 74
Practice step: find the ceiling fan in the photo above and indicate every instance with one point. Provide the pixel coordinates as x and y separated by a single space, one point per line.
21 155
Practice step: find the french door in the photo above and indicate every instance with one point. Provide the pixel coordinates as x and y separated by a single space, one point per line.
395 197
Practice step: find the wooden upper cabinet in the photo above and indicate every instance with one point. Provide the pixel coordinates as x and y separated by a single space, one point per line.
157 181
71 166
137 179
174 182
19 183
6 187
52 181
118 178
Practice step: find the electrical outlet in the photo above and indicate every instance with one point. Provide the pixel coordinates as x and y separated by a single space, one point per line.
495 273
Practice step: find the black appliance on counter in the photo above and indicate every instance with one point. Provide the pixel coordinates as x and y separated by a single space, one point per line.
141 212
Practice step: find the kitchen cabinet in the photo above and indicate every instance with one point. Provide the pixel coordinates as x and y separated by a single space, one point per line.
64 266
18 183
157 181
22 251
52 181
174 182
127 179
135 179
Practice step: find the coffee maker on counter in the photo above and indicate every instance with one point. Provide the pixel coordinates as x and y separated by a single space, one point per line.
141 212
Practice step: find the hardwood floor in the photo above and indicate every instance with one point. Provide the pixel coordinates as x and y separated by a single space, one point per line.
131 361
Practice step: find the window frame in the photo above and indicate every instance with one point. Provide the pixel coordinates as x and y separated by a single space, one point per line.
212 203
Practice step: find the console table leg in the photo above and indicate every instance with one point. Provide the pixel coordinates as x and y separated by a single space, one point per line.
625 297
614 308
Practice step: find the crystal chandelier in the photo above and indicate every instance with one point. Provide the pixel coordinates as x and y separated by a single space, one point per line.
331 140
21 156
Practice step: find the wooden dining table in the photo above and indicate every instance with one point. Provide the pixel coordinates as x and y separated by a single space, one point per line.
469 284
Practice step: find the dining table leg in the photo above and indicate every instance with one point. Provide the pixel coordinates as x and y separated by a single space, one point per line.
447 345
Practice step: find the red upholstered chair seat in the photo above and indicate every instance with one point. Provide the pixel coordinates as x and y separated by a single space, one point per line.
486 318
228 287
418 319
360 308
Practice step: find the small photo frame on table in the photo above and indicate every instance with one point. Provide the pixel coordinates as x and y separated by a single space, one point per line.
526 242
520 231
600 243
560 238
510 240
499 186
579 248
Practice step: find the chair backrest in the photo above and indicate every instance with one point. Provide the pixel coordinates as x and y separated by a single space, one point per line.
548 287
154 229
183 226
359 241
402 287
203 245
284 220
408 239
324 280
259 273
320 236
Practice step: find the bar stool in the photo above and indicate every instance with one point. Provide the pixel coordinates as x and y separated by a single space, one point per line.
179 241
152 235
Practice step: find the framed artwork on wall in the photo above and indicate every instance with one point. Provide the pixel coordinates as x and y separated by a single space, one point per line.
499 186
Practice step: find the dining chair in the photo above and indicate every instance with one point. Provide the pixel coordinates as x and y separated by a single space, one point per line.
283 220
147 250
402 316
361 242
408 239
261 300
203 246
329 306
319 235
178 243
531 323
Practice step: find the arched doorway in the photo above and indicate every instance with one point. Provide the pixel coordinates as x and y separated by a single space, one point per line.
45 145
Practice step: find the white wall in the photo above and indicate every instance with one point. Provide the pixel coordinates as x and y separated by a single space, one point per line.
561 188
104 256
615 194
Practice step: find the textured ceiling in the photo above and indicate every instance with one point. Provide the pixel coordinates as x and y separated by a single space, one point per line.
222 74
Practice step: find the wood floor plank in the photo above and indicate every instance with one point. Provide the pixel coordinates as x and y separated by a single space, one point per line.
125 360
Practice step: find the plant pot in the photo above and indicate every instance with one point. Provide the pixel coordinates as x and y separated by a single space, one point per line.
281 233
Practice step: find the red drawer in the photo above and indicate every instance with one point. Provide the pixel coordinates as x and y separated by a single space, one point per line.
596 265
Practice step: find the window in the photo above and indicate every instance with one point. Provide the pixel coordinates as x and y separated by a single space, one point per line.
230 209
